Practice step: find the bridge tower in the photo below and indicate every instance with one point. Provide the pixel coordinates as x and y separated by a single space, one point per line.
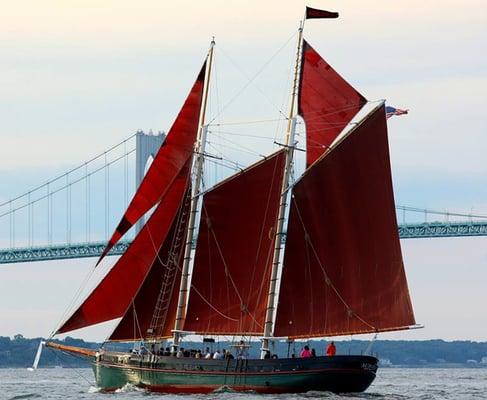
147 145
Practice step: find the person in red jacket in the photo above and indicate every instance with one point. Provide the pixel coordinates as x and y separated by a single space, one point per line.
305 353
331 349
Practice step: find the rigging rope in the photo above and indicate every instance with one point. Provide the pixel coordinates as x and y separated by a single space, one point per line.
70 306
251 79
250 122
192 286
72 368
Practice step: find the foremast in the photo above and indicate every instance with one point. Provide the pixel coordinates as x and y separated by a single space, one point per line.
199 150
289 144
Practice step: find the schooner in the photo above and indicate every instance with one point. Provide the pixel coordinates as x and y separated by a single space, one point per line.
273 260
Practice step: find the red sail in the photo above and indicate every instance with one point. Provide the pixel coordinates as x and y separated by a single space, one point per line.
170 159
153 311
113 295
343 271
234 254
326 102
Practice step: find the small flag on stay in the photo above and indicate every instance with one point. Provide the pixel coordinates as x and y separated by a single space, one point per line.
314 13
390 111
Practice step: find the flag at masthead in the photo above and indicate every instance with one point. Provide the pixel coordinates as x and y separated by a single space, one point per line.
314 13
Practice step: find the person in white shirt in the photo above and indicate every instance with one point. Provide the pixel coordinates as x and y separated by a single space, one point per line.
217 355
207 354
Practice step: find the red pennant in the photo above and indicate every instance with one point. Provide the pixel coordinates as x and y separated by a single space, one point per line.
314 13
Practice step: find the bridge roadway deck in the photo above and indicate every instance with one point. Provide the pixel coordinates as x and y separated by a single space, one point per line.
83 250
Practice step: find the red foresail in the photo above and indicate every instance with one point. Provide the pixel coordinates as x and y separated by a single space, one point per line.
152 312
111 298
326 102
234 253
170 159
343 271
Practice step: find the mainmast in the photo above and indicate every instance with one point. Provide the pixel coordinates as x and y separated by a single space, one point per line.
199 149
289 144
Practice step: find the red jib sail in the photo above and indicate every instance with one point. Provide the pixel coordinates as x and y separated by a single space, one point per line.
170 159
111 298
234 254
326 102
343 271
152 312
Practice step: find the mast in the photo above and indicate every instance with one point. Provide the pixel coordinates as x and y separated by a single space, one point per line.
199 149
289 144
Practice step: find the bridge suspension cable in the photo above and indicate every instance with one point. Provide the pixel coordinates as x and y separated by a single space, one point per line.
446 214
25 214
91 160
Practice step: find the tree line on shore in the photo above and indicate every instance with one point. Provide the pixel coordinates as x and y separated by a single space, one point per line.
19 352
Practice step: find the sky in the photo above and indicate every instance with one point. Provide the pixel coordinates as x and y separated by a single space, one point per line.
79 76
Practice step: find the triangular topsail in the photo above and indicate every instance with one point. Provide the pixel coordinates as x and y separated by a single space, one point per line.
233 258
170 159
111 298
326 102
343 271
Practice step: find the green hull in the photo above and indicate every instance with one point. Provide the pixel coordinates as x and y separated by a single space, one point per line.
187 375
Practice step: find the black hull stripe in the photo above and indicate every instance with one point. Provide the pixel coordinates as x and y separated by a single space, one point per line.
302 372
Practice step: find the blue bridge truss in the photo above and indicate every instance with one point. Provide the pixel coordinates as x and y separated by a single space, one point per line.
442 229
83 250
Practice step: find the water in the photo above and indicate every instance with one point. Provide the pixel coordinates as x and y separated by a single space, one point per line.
397 383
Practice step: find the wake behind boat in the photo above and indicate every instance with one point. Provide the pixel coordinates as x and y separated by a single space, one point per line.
338 272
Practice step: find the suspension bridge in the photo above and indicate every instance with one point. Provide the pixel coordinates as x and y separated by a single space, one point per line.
73 214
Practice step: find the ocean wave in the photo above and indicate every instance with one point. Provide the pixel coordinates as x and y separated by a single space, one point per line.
128 387
25 396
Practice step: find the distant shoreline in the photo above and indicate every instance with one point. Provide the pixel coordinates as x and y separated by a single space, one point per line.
19 352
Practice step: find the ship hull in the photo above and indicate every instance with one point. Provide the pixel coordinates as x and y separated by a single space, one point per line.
337 374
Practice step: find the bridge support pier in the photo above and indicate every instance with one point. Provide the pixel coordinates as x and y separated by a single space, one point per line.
147 146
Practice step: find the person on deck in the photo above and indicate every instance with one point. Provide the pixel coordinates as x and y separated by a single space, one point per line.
180 353
217 355
242 352
331 349
305 353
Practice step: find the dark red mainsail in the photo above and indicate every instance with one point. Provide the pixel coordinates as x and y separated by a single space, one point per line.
111 298
343 270
326 102
170 159
233 258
